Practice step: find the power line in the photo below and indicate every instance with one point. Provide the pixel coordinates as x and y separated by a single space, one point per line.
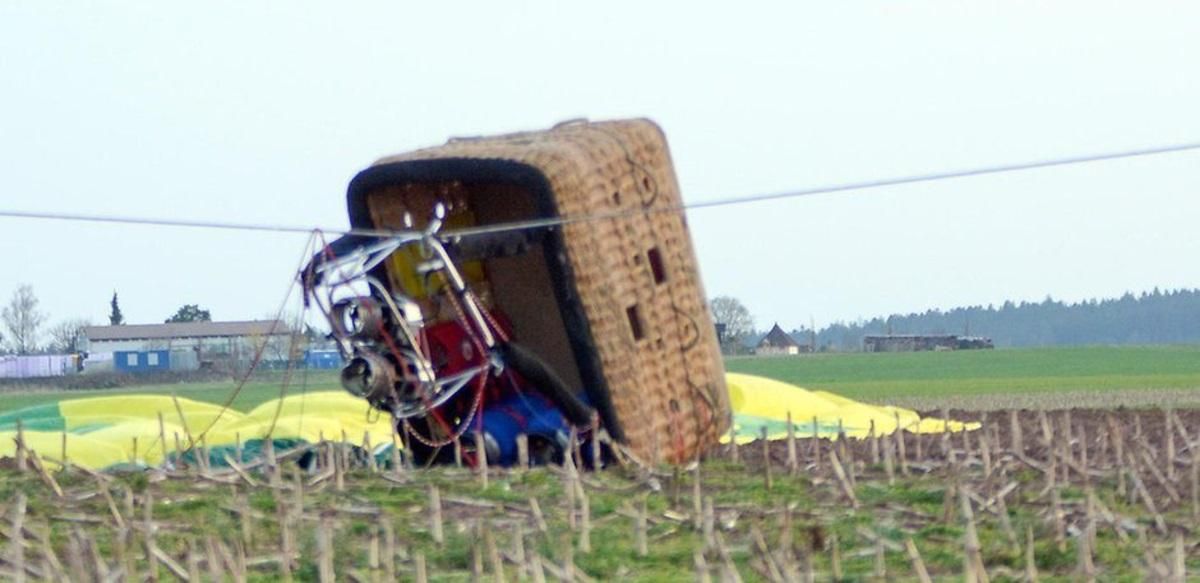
59 216
835 188
560 221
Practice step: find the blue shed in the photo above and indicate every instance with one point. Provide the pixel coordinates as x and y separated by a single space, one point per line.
322 359
137 361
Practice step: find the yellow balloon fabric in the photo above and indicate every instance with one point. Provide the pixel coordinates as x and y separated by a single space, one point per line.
759 403
313 416
147 449
196 415
83 450
103 432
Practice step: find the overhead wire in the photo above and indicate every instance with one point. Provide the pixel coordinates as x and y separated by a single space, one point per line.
551 222
159 222
828 189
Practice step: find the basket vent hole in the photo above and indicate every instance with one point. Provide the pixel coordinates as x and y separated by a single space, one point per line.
660 345
616 198
635 322
656 265
674 405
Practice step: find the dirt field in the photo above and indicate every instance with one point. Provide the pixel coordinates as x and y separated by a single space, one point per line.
1057 501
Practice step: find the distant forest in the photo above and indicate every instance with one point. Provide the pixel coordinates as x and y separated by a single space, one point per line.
1157 317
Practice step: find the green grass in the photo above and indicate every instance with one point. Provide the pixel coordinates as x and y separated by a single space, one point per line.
258 390
888 376
1103 375
193 510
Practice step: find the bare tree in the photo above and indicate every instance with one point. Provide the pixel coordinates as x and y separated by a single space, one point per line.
737 320
65 335
22 319
287 343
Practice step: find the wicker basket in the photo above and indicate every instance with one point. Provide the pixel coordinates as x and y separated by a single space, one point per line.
615 304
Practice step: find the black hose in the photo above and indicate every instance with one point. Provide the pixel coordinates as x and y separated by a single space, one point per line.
536 371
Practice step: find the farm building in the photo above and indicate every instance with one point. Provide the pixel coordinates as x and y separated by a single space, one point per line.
38 366
923 342
183 345
779 342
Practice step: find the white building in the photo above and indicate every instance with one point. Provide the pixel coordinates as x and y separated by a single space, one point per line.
187 345
779 342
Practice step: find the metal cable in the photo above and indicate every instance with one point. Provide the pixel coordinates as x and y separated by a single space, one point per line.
160 222
830 189
567 220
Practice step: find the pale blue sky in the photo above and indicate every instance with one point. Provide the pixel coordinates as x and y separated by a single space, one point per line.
261 112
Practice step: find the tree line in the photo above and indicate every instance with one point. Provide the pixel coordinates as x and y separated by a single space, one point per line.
1154 317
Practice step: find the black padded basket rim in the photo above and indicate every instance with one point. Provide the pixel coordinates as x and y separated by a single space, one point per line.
495 171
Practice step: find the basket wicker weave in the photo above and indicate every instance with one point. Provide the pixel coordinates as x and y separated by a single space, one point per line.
631 324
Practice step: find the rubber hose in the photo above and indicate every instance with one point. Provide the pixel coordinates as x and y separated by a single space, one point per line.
536 371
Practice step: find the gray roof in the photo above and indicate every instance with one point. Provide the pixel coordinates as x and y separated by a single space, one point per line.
777 338
186 330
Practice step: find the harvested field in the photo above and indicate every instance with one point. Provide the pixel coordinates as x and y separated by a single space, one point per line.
1078 494
1136 398
1053 377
